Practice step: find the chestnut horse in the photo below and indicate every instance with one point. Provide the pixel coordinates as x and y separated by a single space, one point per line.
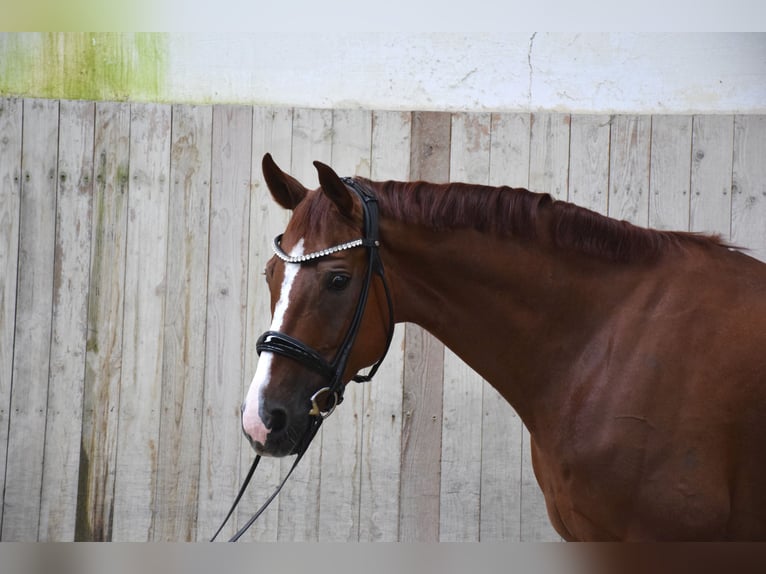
636 358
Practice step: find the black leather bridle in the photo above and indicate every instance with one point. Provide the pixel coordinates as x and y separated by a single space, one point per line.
332 371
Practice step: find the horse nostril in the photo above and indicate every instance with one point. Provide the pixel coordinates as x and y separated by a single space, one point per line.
278 420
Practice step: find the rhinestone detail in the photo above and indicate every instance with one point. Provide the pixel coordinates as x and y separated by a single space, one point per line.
316 254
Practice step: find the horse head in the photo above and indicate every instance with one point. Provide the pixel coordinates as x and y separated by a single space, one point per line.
331 311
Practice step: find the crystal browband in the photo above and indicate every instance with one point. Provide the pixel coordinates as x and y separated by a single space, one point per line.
316 254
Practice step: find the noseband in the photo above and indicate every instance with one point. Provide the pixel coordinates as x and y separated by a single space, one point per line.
331 371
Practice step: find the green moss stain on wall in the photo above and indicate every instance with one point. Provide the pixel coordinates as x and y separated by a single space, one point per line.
84 66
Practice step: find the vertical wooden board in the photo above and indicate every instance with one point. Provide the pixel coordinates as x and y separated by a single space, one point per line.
460 503
29 395
509 150
629 158
103 358
669 176
589 162
10 197
143 326
342 434
183 355
470 147
272 133
226 312
501 469
549 154
382 427
535 523
501 427
710 188
70 322
419 497
748 210
423 366
299 500
548 173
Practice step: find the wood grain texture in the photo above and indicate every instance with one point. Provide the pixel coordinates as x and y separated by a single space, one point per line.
71 272
183 357
629 171
509 150
710 185
669 188
589 161
748 209
106 292
143 323
549 154
32 335
10 200
222 437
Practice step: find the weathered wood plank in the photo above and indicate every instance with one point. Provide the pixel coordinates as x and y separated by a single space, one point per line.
272 133
589 162
29 395
548 173
423 366
710 186
103 360
10 198
299 500
183 356
143 332
549 154
629 169
501 426
669 180
71 275
748 210
509 150
460 495
226 312
342 434
382 427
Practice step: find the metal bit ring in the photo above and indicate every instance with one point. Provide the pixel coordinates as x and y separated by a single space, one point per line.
315 410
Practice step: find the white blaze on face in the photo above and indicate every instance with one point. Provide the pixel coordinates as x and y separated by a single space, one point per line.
251 418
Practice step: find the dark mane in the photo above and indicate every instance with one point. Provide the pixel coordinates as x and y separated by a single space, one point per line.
514 211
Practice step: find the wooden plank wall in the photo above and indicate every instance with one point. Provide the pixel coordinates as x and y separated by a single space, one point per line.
132 243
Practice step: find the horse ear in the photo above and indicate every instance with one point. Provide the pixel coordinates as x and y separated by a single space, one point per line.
335 189
285 189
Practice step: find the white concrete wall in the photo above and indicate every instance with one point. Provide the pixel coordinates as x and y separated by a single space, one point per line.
638 72
533 71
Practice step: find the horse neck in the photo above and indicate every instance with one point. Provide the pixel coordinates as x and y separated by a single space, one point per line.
518 312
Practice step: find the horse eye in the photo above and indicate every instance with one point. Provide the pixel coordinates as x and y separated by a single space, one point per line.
339 281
